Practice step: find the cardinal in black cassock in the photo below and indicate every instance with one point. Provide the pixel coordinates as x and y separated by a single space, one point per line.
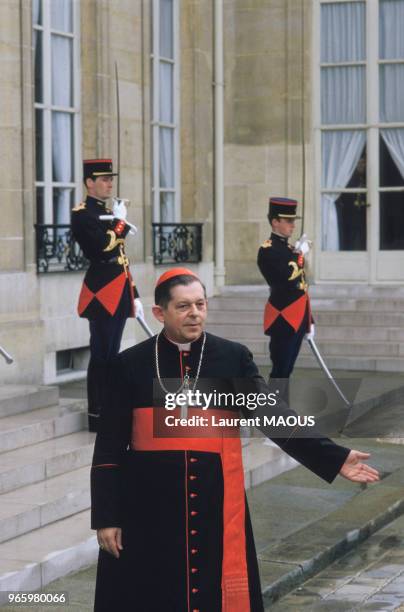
169 509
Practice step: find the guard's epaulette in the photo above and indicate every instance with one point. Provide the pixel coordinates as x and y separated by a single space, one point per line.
80 206
266 244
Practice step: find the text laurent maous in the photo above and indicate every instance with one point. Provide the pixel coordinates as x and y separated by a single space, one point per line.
214 421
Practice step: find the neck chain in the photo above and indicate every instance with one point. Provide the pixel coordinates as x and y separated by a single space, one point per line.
185 382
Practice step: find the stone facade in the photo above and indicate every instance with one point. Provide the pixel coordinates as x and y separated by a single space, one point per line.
266 98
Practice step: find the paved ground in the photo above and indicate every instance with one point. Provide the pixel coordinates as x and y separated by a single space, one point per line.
369 578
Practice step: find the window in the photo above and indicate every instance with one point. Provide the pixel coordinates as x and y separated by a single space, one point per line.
165 111
362 124
57 95
343 114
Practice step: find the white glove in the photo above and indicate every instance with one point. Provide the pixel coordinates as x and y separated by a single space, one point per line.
303 245
139 310
119 209
310 335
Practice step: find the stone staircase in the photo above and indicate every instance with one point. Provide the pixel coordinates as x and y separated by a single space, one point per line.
45 458
44 487
357 327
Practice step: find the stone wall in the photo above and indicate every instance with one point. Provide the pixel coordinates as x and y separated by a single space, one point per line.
267 77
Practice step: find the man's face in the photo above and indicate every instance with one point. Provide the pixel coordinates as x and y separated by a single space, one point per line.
101 187
185 314
284 227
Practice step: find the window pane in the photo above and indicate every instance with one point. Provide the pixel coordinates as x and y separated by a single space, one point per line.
344 221
391 158
166 29
166 93
343 95
167 214
391 221
61 15
343 159
166 158
40 213
392 93
62 147
37 12
391 28
62 205
39 150
62 59
38 66
343 32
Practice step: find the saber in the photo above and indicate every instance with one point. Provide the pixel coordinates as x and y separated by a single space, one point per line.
6 355
144 326
327 372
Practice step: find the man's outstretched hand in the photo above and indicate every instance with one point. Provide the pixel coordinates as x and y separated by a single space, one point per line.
353 468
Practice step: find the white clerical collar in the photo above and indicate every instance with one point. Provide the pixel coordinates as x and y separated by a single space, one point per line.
185 346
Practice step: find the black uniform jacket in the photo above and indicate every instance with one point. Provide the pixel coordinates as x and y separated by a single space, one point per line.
108 280
169 503
283 269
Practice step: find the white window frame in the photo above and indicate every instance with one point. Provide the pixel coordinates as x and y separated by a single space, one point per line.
367 261
156 124
47 108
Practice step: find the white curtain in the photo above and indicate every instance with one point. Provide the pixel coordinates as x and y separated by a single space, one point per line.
166 29
61 15
62 133
392 77
341 151
343 102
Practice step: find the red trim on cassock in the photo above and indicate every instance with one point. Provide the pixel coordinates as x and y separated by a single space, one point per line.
235 592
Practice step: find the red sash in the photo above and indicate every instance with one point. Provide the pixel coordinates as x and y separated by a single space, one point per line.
235 593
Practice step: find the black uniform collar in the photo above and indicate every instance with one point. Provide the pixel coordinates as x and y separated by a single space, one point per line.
277 238
94 203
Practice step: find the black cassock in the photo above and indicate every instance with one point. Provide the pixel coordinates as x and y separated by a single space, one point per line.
170 503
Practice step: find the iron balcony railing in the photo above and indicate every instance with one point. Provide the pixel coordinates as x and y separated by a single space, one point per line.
57 250
177 243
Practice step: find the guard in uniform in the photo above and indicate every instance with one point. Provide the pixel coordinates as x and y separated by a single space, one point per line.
287 316
108 294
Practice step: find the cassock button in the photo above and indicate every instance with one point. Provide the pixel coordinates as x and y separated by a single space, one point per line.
193 459
194 551
192 495
193 532
195 590
192 477
194 570
194 513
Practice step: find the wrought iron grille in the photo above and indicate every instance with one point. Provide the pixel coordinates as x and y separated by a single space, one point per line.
177 242
57 250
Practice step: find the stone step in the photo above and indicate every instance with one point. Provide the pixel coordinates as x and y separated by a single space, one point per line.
45 502
363 364
36 462
254 303
262 460
245 331
359 348
42 424
15 399
32 560
324 290
327 318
